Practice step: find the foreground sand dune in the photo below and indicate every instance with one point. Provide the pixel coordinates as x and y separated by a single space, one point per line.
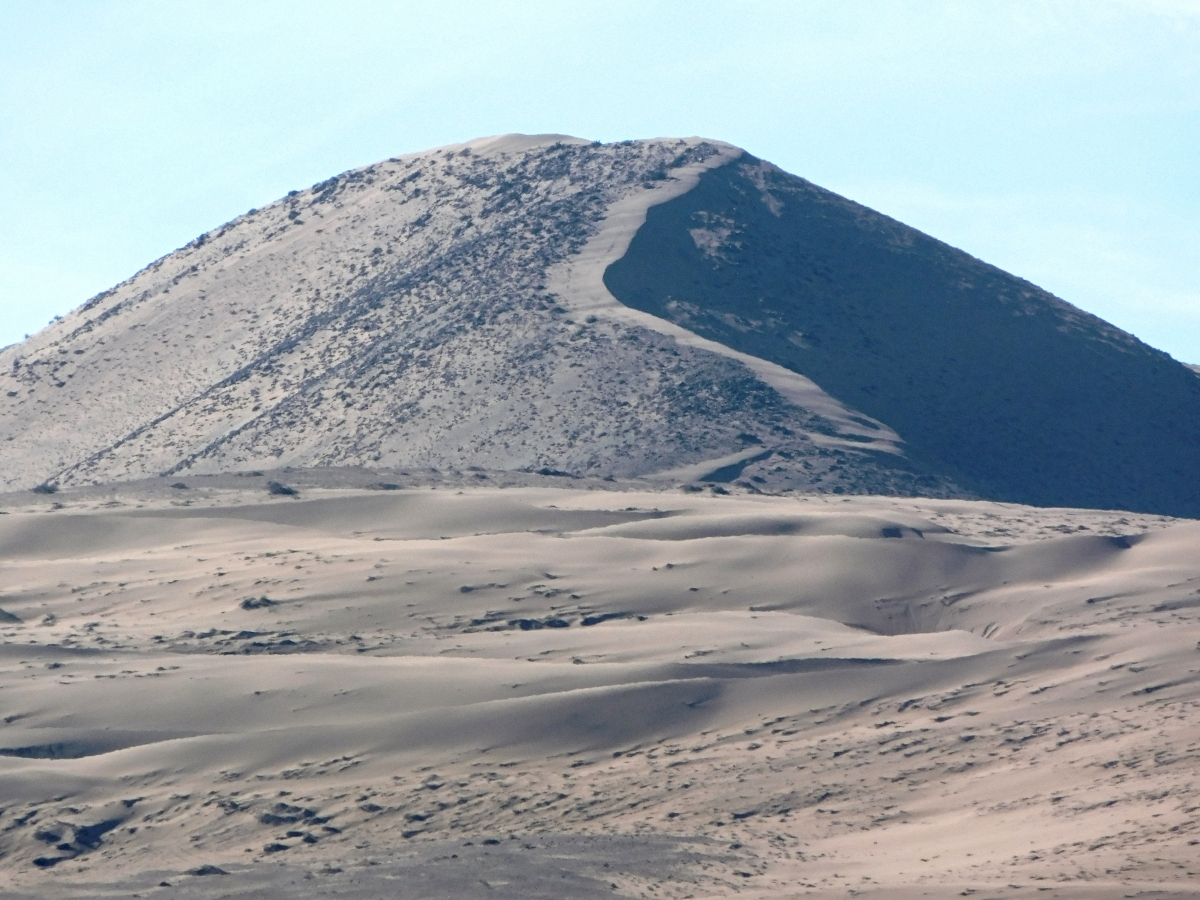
549 692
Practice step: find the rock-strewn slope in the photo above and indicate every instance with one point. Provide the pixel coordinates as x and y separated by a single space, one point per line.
400 315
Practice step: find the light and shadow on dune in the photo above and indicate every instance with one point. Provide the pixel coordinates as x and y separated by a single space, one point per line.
654 693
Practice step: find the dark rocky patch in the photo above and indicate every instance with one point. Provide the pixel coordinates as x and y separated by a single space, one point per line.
538 624
597 618
207 870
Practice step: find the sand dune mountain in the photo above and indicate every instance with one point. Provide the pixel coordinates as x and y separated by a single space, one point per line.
419 313
297 601
674 309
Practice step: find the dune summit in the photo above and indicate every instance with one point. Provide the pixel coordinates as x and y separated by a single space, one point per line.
666 309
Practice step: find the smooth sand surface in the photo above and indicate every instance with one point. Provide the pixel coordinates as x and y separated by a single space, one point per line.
547 692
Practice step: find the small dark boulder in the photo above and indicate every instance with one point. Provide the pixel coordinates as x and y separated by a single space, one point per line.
207 870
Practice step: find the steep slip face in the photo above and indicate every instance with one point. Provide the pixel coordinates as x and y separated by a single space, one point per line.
401 316
988 378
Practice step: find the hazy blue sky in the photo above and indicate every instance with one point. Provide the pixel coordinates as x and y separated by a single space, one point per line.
1057 139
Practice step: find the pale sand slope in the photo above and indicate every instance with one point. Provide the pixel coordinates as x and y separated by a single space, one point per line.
441 309
793 697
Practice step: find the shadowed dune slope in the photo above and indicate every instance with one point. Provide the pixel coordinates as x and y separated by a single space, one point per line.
988 378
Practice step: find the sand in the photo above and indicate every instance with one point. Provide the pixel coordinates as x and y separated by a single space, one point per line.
546 691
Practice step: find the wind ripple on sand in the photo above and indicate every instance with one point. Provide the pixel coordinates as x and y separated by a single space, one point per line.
879 693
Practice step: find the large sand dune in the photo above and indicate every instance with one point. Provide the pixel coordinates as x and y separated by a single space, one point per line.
441 309
544 692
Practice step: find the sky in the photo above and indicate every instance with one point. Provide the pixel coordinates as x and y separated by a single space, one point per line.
1056 139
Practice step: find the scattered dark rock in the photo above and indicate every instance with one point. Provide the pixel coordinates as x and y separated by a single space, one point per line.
603 617
179 486
286 814
46 488
255 603
281 490
538 624
207 870
275 847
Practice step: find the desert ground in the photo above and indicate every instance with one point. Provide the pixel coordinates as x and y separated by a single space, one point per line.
477 685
